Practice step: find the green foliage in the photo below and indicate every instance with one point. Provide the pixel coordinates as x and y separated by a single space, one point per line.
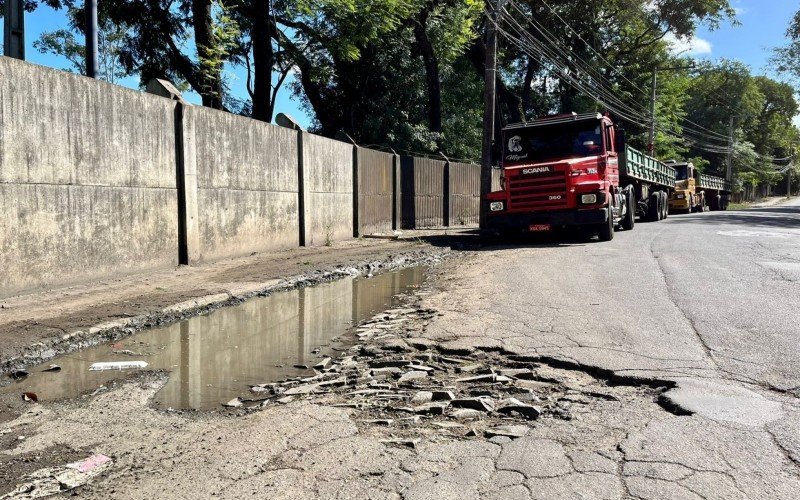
64 43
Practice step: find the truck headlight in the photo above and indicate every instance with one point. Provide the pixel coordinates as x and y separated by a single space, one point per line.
588 199
496 206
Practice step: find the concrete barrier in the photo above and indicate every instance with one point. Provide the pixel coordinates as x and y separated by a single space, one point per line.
376 191
423 192
327 172
464 193
97 180
87 179
247 184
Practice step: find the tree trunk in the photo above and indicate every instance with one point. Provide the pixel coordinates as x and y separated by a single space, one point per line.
263 60
210 66
431 72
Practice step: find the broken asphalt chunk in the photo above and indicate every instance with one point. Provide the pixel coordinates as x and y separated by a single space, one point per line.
18 374
443 396
412 376
323 364
466 414
480 404
430 409
513 405
422 397
52 368
511 431
409 443
301 389
233 403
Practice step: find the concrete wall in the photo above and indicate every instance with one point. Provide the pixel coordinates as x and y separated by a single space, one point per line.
376 188
97 180
423 187
465 187
247 184
328 189
87 179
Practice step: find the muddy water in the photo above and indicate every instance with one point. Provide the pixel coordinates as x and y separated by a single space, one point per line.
216 357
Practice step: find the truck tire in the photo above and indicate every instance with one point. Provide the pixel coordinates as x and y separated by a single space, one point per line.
606 230
653 208
629 219
664 204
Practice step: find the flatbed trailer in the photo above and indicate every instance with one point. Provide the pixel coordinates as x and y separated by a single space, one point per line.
652 181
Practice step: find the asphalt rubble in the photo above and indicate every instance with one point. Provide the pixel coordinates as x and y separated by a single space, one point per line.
409 387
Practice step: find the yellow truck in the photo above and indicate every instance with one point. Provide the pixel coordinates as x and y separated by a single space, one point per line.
696 192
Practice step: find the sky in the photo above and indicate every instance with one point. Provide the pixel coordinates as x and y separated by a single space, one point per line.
762 27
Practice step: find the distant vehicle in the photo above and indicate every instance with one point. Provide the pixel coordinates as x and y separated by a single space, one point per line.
696 192
576 171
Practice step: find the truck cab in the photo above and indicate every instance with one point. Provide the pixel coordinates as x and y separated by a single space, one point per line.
686 197
558 171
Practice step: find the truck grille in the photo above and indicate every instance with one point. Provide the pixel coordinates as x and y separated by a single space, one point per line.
529 192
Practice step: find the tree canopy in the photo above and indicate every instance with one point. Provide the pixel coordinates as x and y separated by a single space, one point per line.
408 74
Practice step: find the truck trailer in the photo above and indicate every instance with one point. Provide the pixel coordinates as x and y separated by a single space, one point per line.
575 171
696 192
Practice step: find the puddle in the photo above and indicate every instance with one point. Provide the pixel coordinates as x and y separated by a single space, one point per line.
216 357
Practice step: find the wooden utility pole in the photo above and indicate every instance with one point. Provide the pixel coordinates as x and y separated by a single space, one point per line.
14 29
651 143
490 82
729 172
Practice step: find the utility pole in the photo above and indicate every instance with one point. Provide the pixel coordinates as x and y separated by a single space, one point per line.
789 172
14 30
90 9
651 143
729 172
490 82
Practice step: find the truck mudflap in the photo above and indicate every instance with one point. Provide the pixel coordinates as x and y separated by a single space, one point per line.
542 220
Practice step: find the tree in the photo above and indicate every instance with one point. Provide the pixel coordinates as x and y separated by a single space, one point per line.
64 43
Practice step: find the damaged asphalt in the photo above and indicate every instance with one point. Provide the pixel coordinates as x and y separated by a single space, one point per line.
642 368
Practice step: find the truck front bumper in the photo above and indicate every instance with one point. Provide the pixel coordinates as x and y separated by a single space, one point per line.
562 218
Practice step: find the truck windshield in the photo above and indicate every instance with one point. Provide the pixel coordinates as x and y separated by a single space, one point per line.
681 172
539 144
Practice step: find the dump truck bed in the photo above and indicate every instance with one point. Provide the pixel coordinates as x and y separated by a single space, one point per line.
715 183
639 166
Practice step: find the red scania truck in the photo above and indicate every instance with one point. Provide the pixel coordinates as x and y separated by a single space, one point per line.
575 171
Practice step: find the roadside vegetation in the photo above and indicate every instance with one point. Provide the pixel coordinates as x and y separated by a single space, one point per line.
408 74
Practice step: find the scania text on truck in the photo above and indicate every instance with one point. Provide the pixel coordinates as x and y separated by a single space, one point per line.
575 171
696 192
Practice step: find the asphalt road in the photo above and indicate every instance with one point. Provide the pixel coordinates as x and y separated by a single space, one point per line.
709 303
665 364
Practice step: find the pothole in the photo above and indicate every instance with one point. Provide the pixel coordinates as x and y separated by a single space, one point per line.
406 387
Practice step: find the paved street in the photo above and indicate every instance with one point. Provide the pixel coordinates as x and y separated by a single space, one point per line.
664 365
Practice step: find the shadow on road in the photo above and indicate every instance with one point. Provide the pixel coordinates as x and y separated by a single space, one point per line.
475 241
771 217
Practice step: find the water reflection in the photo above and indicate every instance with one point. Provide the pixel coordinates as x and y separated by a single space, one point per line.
214 358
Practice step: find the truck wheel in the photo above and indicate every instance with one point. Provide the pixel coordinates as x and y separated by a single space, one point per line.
630 217
606 230
664 204
653 208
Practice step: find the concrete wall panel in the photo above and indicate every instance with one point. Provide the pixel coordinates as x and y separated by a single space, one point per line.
423 191
465 188
247 185
328 171
87 179
375 191
54 235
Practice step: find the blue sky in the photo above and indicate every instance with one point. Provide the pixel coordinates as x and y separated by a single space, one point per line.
763 24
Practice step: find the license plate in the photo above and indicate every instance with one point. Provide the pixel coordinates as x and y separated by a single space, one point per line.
535 228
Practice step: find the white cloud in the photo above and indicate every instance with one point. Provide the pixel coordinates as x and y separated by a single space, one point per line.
688 46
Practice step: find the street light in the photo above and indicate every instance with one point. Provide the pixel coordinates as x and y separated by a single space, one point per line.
652 142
